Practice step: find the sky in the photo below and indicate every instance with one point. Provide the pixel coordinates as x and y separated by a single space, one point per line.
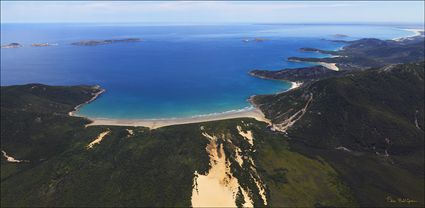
198 12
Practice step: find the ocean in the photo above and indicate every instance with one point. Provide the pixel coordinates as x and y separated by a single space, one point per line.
177 71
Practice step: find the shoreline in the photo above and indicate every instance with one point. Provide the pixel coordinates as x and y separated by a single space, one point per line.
333 66
95 96
254 112
249 112
416 31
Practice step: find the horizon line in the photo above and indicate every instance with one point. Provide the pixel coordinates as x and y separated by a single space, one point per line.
224 23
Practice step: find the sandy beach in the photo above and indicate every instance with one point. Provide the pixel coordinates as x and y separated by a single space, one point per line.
416 32
251 112
157 123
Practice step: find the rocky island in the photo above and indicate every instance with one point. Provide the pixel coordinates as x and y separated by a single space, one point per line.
340 36
254 40
12 45
103 42
43 44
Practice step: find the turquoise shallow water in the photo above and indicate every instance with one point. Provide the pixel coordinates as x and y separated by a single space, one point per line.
177 71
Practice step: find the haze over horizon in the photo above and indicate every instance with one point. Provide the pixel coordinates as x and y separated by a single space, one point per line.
212 12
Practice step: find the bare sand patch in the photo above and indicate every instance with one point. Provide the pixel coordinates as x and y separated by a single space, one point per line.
12 159
246 135
295 85
98 139
130 132
217 188
331 66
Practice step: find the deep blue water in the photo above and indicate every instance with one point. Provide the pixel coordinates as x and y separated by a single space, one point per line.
177 71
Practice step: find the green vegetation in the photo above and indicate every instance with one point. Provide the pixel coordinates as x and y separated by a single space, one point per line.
370 52
360 111
359 143
356 55
298 181
304 74
368 125
141 167
34 119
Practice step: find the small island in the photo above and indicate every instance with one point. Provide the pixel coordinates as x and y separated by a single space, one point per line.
260 39
254 40
103 42
43 44
340 36
12 45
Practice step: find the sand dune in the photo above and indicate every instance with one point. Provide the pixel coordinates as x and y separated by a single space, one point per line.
218 188
98 139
